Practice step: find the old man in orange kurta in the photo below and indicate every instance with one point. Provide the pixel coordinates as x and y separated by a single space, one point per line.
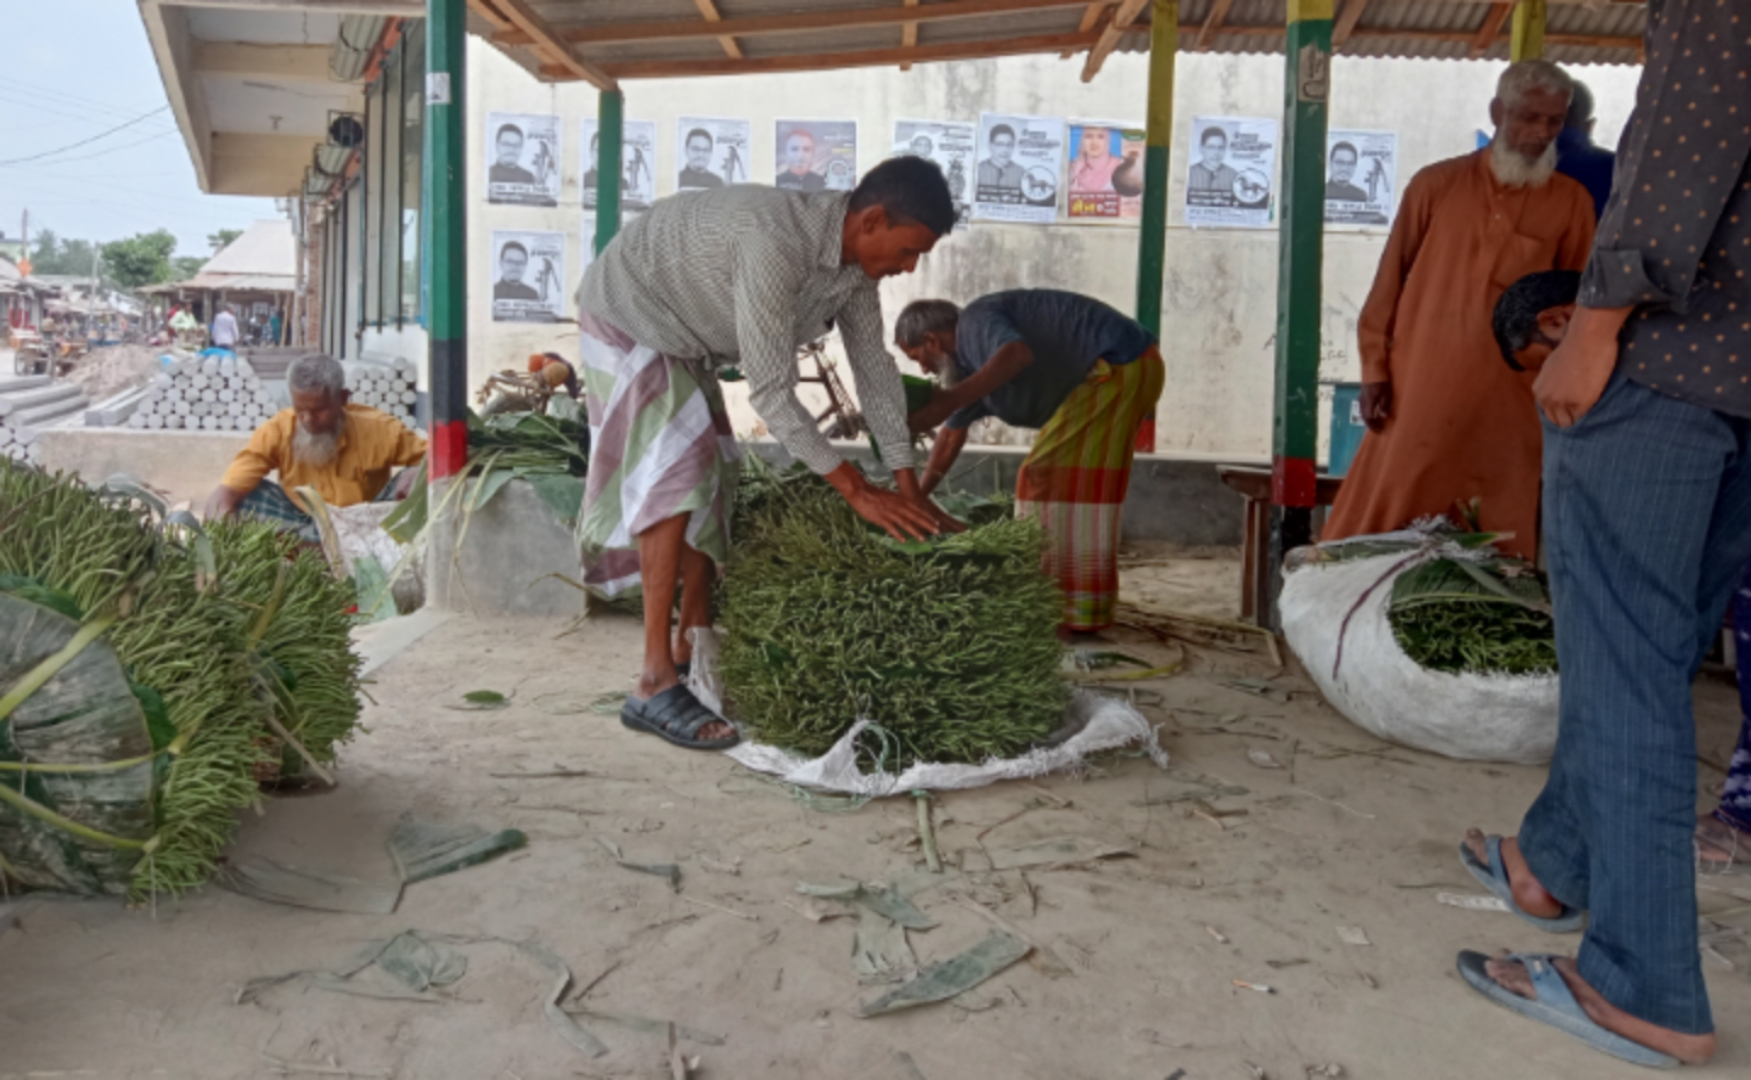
1448 421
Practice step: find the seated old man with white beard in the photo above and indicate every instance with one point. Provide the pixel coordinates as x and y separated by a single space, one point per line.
345 452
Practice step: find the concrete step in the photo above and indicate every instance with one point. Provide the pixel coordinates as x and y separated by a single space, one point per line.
28 399
10 382
115 410
44 415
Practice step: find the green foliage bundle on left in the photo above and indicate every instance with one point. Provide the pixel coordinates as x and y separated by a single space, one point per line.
950 646
297 633
181 642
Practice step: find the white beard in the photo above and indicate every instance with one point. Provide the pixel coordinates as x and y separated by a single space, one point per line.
317 450
948 375
1515 169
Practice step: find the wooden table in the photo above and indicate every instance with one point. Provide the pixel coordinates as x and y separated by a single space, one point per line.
1253 482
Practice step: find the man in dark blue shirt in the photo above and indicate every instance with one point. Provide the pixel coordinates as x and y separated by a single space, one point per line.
1078 371
1577 157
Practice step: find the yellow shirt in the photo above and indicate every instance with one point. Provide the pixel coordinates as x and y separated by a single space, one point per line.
373 444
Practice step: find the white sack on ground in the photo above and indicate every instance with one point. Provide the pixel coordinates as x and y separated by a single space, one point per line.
1101 723
359 529
1509 718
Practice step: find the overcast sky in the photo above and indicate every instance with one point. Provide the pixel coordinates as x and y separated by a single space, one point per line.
73 69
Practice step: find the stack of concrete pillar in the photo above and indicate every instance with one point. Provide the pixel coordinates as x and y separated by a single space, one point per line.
205 394
389 387
30 404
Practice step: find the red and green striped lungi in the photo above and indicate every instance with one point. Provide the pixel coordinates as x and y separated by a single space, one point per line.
1074 480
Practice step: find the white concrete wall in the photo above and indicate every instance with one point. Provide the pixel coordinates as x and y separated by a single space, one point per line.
1219 311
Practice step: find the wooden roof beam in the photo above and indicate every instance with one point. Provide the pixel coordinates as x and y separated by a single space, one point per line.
1346 23
547 44
1109 37
1212 23
801 22
1491 28
1090 22
909 35
708 11
920 54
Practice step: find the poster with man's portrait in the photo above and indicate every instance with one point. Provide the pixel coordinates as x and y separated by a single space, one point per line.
1233 172
1361 177
816 155
522 159
950 144
1105 179
1021 159
638 163
528 276
712 152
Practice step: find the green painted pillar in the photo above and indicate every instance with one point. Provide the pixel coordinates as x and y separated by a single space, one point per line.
444 191
610 132
1300 245
1158 139
1528 40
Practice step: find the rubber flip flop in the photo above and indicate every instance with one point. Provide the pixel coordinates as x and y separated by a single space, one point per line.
1555 1006
1494 877
676 716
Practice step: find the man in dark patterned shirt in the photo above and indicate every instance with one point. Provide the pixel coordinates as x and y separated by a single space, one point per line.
1647 481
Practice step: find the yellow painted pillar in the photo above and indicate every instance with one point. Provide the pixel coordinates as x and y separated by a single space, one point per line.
1528 41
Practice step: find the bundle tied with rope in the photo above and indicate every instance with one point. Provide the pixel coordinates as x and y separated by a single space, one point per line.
149 677
949 647
1429 637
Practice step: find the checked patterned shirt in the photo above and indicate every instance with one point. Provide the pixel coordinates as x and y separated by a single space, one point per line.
744 275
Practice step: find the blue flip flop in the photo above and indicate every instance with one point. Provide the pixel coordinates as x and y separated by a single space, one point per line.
1555 1006
1494 877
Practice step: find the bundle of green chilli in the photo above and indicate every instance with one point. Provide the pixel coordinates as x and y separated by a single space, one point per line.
146 671
1487 617
950 646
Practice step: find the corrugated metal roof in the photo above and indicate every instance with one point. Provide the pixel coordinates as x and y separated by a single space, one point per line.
1577 32
351 53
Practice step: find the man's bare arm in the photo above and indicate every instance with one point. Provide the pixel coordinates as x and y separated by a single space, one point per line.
943 453
222 503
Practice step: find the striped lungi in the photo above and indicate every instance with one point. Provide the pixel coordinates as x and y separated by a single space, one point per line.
1074 481
660 446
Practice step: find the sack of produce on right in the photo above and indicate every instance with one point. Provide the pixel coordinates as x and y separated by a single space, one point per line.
1430 638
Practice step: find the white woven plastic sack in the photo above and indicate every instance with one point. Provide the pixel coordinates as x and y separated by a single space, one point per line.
359 529
1509 718
1101 722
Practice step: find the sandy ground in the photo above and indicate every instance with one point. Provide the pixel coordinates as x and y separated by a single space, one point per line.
1353 834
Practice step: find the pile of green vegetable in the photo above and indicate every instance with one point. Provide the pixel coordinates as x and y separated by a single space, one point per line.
551 452
297 634
1487 617
1458 605
225 642
950 646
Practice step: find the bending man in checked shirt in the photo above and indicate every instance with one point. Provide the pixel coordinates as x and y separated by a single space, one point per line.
743 275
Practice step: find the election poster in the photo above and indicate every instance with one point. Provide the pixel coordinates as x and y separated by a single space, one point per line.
1105 180
638 163
950 144
522 155
816 155
1021 159
528 276
1361 177
1233 172
712 152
